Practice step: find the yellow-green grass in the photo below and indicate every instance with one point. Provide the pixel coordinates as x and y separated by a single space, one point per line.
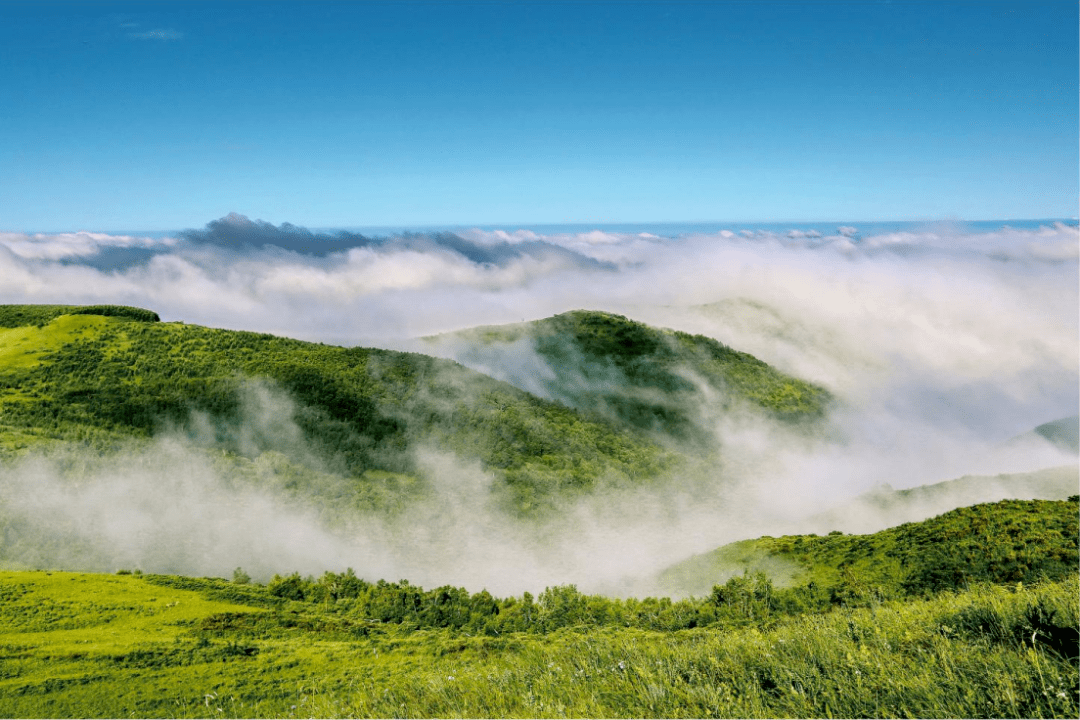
117 646
22 347
63 634
896 660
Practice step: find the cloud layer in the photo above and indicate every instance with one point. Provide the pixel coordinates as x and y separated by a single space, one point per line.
967 328
941 343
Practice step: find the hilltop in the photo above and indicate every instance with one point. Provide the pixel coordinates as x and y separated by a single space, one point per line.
1004 542
885 506
618 394
665 382
1063 433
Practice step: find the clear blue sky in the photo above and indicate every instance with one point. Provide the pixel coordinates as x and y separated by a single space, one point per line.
155 115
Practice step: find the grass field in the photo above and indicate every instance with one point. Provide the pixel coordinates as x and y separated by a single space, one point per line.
78 645
862 630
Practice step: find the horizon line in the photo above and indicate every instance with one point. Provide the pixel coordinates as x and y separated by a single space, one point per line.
565 223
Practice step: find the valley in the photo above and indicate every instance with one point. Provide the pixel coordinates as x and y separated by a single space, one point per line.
200 522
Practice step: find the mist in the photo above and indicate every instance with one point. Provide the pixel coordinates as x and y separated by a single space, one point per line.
941 344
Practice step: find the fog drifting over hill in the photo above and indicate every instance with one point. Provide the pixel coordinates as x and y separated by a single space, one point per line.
989 318
941 344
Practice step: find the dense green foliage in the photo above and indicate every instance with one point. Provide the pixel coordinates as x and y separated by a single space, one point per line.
918 644
12 316
114 646
653 379
1006 542
94 379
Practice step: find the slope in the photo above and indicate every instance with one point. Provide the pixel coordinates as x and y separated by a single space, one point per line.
78 645
883 506
657 380
100 379
1008 541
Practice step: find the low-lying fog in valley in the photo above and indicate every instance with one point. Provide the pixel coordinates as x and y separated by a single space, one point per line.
944 345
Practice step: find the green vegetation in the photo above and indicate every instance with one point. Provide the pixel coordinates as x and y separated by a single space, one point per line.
1006 542
866 512
652 379
159 645
974 613
12 316
92 376
98 379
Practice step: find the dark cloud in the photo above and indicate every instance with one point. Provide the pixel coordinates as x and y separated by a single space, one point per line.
236 232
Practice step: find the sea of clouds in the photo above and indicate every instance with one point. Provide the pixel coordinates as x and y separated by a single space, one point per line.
942 344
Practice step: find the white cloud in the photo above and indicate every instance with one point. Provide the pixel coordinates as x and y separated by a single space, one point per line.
939 343
59 246
938 331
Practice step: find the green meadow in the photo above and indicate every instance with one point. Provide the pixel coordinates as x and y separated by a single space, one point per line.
77 645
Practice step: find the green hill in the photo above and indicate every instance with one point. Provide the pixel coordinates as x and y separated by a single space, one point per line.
101 376
643 377
1005 542
876 636
884 506
13 316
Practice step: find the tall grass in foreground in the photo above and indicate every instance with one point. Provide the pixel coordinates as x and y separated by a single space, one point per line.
989 652
106 646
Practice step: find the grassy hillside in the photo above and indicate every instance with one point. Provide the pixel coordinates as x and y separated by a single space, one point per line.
76 645
99 376
13 316
1005 542
885 506
644 377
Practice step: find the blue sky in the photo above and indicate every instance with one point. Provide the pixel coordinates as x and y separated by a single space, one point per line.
159 116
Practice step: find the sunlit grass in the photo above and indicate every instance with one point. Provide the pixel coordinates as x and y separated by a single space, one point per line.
121 646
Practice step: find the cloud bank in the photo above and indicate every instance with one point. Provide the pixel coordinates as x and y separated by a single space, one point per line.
966 329
942 344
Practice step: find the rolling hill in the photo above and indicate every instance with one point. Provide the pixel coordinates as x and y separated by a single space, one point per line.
665 382
98 377
1004 542
883 506
622 398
